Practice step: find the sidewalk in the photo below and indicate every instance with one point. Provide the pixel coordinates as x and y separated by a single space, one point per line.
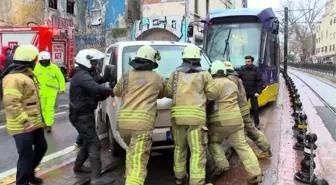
286 161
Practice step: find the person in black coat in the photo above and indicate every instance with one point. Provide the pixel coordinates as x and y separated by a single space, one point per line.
85 93
252 80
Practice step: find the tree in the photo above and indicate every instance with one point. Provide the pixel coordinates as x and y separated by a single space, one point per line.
303 17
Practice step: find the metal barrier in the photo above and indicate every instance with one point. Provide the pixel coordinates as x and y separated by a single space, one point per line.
305 141
320 68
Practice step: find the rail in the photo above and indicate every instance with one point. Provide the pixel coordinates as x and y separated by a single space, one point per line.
322 100
329 69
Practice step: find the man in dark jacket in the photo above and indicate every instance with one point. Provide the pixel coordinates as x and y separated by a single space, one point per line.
252 80
9 58
85 92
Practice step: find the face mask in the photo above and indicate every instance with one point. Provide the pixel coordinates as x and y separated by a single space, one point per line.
45 63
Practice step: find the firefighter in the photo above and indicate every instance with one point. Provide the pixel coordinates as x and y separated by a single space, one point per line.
23 114
190 87
251 131
85 93
225 122
139 90
52 83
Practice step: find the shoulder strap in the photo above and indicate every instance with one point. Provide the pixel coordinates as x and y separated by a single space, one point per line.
125 77
175 81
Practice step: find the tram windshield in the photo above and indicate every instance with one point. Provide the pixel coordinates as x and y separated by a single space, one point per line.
232 42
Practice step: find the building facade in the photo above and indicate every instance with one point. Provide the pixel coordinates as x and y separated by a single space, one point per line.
103 22
165 19
325 39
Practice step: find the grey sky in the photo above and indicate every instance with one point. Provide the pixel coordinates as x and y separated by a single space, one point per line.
275 4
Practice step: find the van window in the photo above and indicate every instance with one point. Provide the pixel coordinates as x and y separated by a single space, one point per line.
171 57
113 56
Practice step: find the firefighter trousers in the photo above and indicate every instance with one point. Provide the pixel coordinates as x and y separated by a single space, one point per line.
48 109
196 138
236 137
255 135
137 155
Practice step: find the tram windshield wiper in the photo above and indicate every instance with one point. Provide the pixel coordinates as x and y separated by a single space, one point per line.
227 46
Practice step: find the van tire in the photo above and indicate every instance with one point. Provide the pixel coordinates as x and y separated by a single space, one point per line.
115 149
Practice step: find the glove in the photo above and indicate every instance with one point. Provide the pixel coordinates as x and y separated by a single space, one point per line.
256 94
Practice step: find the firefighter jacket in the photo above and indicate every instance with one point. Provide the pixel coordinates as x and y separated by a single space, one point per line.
225 110
190 92
242 100
50 79
139 91
21 101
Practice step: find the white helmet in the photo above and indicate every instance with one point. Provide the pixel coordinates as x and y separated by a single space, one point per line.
85 56
44 55
191 52
147 52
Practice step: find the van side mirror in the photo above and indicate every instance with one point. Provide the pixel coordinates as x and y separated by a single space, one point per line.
190 31
110 73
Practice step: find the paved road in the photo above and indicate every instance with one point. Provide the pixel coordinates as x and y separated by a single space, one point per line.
63 136
326 91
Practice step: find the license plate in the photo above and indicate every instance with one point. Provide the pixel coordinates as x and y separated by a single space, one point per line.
169 136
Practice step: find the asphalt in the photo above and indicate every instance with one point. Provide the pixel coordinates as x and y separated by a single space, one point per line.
63 136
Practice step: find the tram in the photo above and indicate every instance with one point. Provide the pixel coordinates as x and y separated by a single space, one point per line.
232 34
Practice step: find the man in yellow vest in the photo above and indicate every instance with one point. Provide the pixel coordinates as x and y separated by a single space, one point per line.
23 113
225 122
190 87
51 81
251 131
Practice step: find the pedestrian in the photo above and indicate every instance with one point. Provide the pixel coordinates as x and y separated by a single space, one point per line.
139 89
251 131
252 80
24 120
52 83
225 122
5 50
9 58
85 93
190 87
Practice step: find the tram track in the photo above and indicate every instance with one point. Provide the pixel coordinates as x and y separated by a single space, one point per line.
326 104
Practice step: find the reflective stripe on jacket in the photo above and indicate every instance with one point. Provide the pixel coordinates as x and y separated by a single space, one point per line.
50 78
225 111
190 92
242 100
21 103
139 91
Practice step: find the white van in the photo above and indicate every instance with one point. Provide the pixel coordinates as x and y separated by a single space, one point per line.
120 54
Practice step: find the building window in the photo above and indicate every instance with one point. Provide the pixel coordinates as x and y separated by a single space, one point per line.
196 7
325 48
53 4
322 49
335 20
331 22
334 47
70 6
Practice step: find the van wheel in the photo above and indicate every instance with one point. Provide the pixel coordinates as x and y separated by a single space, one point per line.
115 149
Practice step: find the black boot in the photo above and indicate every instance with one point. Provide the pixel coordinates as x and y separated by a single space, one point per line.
36 181
81 169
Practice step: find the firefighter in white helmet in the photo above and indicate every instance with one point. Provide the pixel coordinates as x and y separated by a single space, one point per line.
139 88
225 122
85 93
190 87
24 119
251 131
52 83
